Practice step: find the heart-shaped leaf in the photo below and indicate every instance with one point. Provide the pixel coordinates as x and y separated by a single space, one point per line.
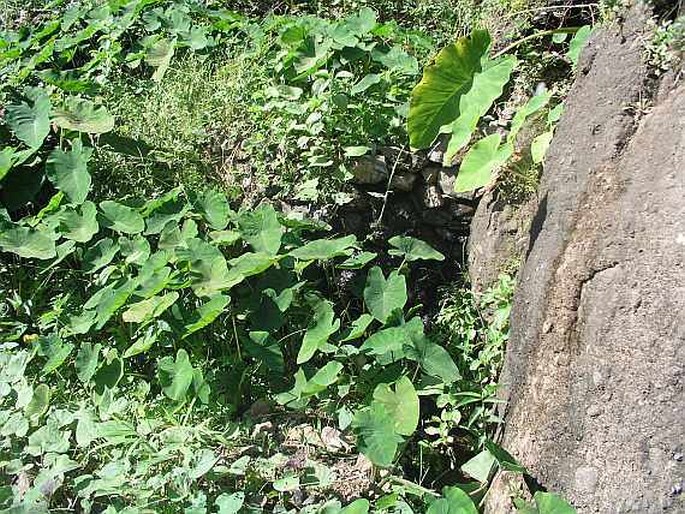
68 171
378 440
402 404
31 124
120 218
79 224
413 249
175 376
83 115
383 296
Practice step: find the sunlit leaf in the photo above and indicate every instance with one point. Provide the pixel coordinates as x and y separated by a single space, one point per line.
383 297
401 403
31 124
324 249
120 218
79 224
206 314
68 171
413 249
479 162
320 329
175 375
261 229
83 115
378 440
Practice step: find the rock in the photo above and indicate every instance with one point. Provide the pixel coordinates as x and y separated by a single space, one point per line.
605 233
432 198
437 153
403 181
370 170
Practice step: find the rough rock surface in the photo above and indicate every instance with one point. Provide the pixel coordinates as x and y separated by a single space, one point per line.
595 370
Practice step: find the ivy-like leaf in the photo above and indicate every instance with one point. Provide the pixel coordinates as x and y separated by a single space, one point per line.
68 171
382 296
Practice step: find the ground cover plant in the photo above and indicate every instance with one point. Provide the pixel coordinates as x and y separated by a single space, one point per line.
169 341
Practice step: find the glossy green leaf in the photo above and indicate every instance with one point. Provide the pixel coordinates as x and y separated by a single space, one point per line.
80 223
136 250
540 145
578 43
320 329
83 115
402 404
40 401
480 466
435 100
146 310
30 123
261 229
479 163
175 375
87 361
358 261
100 255
358 327
324 249
413 249
206 314
533 105
375 429
215 209
229 503
68 171
387 341
27 242
143 343
360 506
382 296
120 218
456 501
549 503
487 86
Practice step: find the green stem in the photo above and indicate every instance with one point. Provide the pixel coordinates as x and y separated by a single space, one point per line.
543 33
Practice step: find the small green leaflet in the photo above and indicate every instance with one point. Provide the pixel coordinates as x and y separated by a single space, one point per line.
578 43
206 314
413 249
68 171
320 329
31 124
533 105
382 296
540 145
175 376
83 115
120 218
549 503
143 343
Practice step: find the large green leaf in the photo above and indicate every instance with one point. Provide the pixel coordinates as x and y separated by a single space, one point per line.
206 314
79 224
377 437
68 171
435 100
456 501
215 209
40 401
549 503
100 255
401 403
31 124
320 329
578 43
87 361
261 229
480 161
147 310
435 361
324 249
83 116
175 376
390 340
383 296
486 88
27 242
120 218
413 249
159 57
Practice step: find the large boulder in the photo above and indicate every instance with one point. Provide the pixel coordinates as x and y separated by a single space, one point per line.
595 370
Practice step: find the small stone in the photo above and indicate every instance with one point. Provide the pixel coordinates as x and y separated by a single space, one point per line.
370 170
432 198
447 177
594 410
678 457
403 181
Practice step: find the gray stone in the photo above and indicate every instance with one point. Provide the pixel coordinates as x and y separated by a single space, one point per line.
370 170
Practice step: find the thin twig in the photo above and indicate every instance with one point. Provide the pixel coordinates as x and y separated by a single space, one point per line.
551 8
565 30
387 189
